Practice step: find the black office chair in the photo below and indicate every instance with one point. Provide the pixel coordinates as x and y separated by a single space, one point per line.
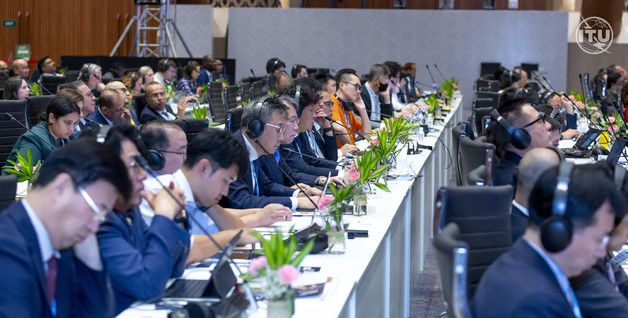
488 68
494 96
231 97
217 104
451 256
472 154
192 127
10 130
486 85
484 225
462 129
480 176
139 102
257 88
8 189
36 106
49 83
234 119
483 103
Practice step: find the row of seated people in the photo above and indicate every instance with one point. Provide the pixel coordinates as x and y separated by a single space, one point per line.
565 271
227 182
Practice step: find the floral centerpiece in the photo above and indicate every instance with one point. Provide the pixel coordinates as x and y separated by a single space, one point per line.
273 273
335 206
448 87
35 90
203 93
432 105
199 112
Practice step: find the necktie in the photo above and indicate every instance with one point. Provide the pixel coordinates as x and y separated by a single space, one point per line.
313 144
51 278
203 222
166 115
254 173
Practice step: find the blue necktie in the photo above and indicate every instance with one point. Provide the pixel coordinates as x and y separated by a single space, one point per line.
276 155
203 221
254 174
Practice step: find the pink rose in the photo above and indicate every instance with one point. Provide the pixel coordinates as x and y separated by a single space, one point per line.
324 201
257 264
611 119
374 142
613 128
287 274
580 105
597 115
353 174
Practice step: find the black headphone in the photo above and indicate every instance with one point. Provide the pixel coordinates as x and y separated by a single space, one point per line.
162 65
556 231
519 137
155 159
84 73
619 176
295 70
297 98
255 127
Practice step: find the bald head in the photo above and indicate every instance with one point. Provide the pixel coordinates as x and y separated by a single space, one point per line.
533 164
20 68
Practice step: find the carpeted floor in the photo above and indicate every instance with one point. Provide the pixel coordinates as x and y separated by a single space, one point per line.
427 296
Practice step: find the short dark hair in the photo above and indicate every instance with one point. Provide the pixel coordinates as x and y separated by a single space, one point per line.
274 64
394 68
86 161
164 64
61 106
589 187
377 70
344 74
220 148
263 109
296 69
190 67
41 62
73 84
154 135
323 78
308 92
495 133
11 86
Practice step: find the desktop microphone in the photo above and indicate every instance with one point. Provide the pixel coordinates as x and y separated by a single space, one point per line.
252 73
348 128
306 155
439 72
28 129
434 85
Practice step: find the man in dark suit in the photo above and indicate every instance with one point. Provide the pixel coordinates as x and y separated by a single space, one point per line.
262 131
531 280
533 164
49 261
376 94
140 258
111 109
520 114
156 107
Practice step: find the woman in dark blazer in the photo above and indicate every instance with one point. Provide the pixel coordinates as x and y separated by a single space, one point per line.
62 116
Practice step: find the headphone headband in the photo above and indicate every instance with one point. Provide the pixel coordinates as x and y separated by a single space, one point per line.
559 205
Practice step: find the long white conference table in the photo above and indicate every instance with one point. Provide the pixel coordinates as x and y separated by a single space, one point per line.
373 277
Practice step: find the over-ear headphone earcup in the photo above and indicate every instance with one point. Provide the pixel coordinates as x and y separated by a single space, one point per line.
556 233
155 160
520 138
255 128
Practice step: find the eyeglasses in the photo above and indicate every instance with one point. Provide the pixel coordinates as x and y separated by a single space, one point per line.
540 118
357 87
294 120
99 214
280 128
173 152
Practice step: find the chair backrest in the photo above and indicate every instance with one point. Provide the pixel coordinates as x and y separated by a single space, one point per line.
486 85
451 256
482 102
479 117
472 154
192 127
139 102
49 84
231 97
216 103
234 119
494 96
36 106
257 88
477 176
489 68
245 92
484 225
10 131
457 133
8 189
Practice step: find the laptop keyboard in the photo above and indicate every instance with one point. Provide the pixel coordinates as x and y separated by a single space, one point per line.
186 288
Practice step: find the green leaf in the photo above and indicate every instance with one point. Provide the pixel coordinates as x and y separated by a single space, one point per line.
382 186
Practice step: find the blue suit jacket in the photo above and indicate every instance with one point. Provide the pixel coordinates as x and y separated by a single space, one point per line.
327 144
297 163
505 171
272 170
520 284
139 258
518 223
97 117
242 194
304 145
80 292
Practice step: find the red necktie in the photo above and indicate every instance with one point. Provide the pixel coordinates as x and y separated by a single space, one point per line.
51 277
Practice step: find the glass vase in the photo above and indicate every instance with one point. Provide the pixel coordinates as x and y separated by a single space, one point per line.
359 204
282 308
336 239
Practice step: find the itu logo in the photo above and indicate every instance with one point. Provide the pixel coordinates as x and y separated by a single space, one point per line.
594 35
